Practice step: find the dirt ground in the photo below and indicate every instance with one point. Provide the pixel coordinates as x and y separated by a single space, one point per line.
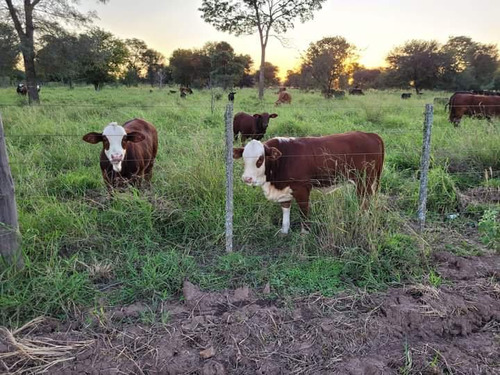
418 329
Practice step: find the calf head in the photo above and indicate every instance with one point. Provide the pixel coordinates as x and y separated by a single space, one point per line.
114 140
255 154
262 120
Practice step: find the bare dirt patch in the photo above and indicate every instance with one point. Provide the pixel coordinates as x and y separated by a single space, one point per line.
416 329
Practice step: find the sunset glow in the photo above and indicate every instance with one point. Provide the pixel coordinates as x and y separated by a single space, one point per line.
374 26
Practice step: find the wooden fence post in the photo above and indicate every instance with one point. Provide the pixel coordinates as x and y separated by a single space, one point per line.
228 117
10 249
424 165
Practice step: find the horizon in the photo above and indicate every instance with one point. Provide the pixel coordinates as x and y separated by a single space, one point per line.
178 24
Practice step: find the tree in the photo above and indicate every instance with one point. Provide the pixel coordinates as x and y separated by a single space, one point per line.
472 64
9 50
247 16
328 60
156 71
102 57
366 78
226 68
59 58
270 74
30 15
418 63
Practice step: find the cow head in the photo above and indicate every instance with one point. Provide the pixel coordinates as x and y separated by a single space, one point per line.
254 156
114 139
262 119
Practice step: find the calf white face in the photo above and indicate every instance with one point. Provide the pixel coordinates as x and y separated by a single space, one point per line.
254 173
114 147
114 139
254 156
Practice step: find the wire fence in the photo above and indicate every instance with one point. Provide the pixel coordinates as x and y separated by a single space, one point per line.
161 169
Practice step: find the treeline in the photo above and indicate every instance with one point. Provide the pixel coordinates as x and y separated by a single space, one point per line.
98 57
460 64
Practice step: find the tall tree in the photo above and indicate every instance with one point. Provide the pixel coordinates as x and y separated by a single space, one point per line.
247 16
418 63
9 49
102 57
328 60
30 15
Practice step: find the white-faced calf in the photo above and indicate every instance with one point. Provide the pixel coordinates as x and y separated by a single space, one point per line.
288 168
128 152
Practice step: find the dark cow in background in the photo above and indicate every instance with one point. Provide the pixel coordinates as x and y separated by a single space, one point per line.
356 91
283 97
22 89
288 168
406 95
128 152
184 91
251 126
468 104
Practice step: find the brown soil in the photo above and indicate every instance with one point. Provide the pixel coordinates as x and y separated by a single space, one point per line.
417 329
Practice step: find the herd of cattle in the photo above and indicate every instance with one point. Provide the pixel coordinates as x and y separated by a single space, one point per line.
286 168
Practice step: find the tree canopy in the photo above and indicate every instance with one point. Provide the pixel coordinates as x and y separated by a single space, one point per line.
263 16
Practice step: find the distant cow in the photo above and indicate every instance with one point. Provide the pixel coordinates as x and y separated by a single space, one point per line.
288 168
283 97
467 104
128 152
406 95
356 91
22 89
338 94
251 126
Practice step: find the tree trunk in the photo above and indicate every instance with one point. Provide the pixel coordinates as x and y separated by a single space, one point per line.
29 67
261 75
10 249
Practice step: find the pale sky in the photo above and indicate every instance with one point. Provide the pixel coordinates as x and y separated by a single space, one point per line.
374 26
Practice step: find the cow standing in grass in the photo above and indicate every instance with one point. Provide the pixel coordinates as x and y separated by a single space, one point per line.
288 168
128 152
251 126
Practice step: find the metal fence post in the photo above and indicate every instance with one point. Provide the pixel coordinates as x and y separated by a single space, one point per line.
228 117
10 249
424 165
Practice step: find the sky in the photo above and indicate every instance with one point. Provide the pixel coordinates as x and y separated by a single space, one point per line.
373 26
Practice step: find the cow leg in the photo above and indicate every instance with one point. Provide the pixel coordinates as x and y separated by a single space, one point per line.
301 196
285 207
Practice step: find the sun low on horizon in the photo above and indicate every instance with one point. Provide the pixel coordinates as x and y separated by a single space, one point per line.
375 27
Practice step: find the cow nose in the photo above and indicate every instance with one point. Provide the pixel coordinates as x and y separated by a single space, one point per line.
116 157
247 180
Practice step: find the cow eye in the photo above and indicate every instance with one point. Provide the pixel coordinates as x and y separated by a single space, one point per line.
260 161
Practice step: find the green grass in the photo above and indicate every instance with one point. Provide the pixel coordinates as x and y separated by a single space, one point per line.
83 249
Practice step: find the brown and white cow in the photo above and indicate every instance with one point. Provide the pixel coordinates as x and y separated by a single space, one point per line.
128 152
251 126
288 168
283 97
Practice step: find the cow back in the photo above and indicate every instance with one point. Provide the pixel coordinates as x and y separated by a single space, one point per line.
321 161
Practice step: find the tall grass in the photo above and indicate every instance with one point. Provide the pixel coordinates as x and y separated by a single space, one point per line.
83 248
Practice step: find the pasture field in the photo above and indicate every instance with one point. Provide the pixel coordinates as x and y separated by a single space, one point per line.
84 250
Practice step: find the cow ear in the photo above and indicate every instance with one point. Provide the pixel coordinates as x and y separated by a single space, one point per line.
93 137
257 115
237 152
135 137
273 115
273 153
